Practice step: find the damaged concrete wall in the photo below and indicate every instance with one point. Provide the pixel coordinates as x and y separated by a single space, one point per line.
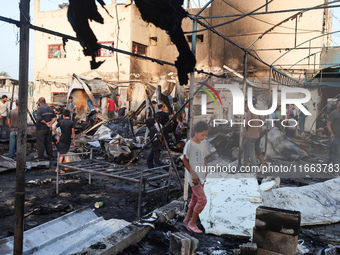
73 60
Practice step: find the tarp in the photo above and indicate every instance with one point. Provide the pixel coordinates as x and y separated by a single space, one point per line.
318 203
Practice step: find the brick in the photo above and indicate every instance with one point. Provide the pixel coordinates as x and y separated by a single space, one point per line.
276 242
278 220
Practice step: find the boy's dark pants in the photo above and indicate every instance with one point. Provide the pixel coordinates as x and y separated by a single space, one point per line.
154 156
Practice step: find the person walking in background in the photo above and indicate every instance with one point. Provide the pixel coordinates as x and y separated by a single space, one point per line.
279 116
71 106
149 112
156 146
180 126
163 119
66 135
45 118
149 115
3 110
13 128
302 120
252 134
333 126
111 107
194 154
121 106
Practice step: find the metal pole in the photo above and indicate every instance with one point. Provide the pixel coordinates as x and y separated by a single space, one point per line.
296 20
191 104
57 180
10 107
245 61
165 143
22 131
269 103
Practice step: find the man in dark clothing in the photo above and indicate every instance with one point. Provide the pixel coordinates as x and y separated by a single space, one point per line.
45 118
156 148
149 115
149 112
67 131
163 119
13 128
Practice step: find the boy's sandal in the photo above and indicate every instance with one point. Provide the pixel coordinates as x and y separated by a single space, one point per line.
193 229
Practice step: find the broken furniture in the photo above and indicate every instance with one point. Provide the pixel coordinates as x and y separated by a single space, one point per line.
96 167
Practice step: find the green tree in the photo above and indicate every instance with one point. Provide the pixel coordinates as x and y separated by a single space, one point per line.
2 73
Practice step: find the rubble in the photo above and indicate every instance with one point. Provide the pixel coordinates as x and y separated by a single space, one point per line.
318 203
283 147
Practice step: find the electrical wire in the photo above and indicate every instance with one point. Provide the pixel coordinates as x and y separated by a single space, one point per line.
230 21
264 20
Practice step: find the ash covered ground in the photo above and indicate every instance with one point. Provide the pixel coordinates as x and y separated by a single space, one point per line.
120 201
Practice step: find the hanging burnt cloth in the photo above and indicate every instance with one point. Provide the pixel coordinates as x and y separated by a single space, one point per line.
168 15
79 13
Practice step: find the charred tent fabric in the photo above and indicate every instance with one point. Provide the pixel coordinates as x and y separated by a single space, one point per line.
79 13
168 15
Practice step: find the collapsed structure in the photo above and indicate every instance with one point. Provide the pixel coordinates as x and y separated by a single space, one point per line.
259 43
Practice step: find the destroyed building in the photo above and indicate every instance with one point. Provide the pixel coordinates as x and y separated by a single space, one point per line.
291 42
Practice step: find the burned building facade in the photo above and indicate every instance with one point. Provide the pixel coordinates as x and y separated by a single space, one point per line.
284 40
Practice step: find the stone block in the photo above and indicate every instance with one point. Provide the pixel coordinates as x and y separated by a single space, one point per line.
182 244
278 220
275 242
194 242
179 245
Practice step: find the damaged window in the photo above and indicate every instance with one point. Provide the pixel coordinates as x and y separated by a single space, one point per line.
139 49
105 52
56 51
59 97
199 38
